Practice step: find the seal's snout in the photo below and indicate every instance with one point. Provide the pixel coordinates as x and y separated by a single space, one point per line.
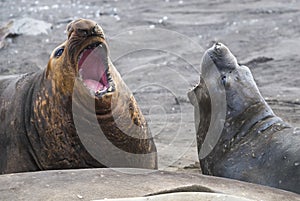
222 57
218 45
84 28
219 48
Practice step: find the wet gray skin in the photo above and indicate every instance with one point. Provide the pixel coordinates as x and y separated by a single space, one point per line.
237 80
254 144
116 183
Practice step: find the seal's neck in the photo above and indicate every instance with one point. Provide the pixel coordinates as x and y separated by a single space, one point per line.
257 117
51 100
51 129
237 127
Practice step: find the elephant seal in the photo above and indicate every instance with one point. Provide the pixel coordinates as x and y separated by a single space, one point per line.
255 145
38 111
101 184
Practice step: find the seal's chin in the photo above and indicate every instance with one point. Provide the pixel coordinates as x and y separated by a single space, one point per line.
93 69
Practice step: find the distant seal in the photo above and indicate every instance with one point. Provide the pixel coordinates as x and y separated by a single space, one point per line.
255 145
38 111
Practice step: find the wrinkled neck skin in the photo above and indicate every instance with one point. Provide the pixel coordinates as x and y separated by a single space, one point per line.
245 106
254 119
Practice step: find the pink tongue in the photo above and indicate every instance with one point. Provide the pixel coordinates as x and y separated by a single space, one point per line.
93 85
92 67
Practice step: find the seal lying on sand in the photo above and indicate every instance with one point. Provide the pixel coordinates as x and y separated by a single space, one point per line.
38 112
87 184
255 145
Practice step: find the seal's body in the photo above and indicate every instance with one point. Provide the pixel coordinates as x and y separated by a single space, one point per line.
48 118
255 145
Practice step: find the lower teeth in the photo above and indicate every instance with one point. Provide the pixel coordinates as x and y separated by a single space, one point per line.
110 89
99 92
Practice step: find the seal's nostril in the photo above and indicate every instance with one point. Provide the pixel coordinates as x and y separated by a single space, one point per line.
218 45
95 30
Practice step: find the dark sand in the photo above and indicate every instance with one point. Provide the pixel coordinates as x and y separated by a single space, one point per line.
157 47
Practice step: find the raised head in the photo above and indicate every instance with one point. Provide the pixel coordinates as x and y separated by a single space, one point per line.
224 100
237 80
83 56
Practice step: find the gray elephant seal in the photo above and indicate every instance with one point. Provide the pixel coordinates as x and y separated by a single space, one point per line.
38 111
255 145
116 184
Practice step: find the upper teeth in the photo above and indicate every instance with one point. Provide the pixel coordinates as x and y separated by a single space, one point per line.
94 45
110 89
80 56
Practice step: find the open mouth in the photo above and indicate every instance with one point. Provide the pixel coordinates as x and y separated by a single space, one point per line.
94 70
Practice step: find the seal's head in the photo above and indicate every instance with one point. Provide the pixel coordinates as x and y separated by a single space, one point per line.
237 81
224 99
83 56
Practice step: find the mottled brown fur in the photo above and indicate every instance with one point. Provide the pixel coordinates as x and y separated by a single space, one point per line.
37 129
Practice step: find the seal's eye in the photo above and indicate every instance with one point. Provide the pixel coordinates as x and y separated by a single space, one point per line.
224 80
59 52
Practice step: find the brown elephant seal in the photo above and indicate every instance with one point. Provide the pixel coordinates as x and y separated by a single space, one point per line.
41 112
255 145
